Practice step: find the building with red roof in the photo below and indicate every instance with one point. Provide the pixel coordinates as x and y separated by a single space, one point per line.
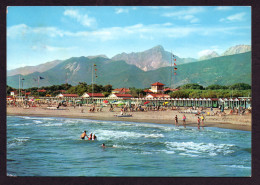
170 90
41 90
157 87
122 96
157 96
67 96
95 95
121 90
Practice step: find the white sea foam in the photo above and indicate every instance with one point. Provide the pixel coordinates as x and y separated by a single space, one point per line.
17 141
190 155
11 175
109 134
200 148
52 125
37 121
20 124
24 117
237 166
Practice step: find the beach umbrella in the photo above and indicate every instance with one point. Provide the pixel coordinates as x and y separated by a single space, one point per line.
146 102
105 101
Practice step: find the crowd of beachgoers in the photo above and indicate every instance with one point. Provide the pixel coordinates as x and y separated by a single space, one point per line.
240 118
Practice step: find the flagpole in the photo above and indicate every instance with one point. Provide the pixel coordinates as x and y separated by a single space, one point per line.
171 68
38 86
19 88
92 81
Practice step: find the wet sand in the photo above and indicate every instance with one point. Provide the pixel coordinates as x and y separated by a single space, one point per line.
238 122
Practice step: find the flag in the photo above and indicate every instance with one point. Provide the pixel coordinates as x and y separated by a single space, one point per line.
175 64
95 65
95 69
41 78
175 68
175 59
175 73
22 79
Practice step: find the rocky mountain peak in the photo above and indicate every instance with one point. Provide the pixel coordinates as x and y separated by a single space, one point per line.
237 49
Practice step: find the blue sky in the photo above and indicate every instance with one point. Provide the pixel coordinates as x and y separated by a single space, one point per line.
41 34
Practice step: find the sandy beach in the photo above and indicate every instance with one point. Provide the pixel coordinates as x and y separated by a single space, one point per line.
238 122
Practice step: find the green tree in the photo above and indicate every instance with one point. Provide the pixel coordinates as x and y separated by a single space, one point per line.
215 86
108 88
192 86
240 86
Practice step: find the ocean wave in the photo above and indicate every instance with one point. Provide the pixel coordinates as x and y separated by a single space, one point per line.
109 134
51 125
237 166
11 175
201 148
17 141
37 121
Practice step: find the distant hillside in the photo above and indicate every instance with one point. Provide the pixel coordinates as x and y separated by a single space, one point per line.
151 59
230 51
31 69
209 55
223 70
237 49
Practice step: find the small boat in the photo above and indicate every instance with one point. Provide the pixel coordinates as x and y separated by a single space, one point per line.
52 108
124 115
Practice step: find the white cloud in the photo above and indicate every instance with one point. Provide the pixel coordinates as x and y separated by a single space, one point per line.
22 29
51 48
185 14
223 8
114 33
234 18
121 10
83 19
205 52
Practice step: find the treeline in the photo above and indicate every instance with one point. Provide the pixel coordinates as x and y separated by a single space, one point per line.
212 91
186 91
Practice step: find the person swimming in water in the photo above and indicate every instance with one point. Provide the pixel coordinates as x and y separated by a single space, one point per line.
94 137
90 136
83 135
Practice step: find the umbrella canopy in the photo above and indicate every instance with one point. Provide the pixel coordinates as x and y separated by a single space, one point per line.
105 101
146 102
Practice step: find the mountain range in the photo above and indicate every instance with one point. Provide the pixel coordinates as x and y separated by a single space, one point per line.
222 70
230 51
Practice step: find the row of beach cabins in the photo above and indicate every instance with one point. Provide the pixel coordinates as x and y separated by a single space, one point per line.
149 100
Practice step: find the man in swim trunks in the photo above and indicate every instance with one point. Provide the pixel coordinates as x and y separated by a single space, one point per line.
202 120
83 135
198 122
184 120
176 121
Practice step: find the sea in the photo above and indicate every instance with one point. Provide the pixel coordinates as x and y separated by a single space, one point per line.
51 146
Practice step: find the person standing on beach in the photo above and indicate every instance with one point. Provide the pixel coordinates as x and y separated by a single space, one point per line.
83 135
184 120
176 121
198 122
202 120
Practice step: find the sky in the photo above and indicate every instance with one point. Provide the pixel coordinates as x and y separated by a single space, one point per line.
39 34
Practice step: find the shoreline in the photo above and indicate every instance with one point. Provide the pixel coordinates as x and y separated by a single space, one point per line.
159 117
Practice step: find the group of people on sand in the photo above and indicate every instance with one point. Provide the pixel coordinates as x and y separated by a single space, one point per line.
90 137
199 120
